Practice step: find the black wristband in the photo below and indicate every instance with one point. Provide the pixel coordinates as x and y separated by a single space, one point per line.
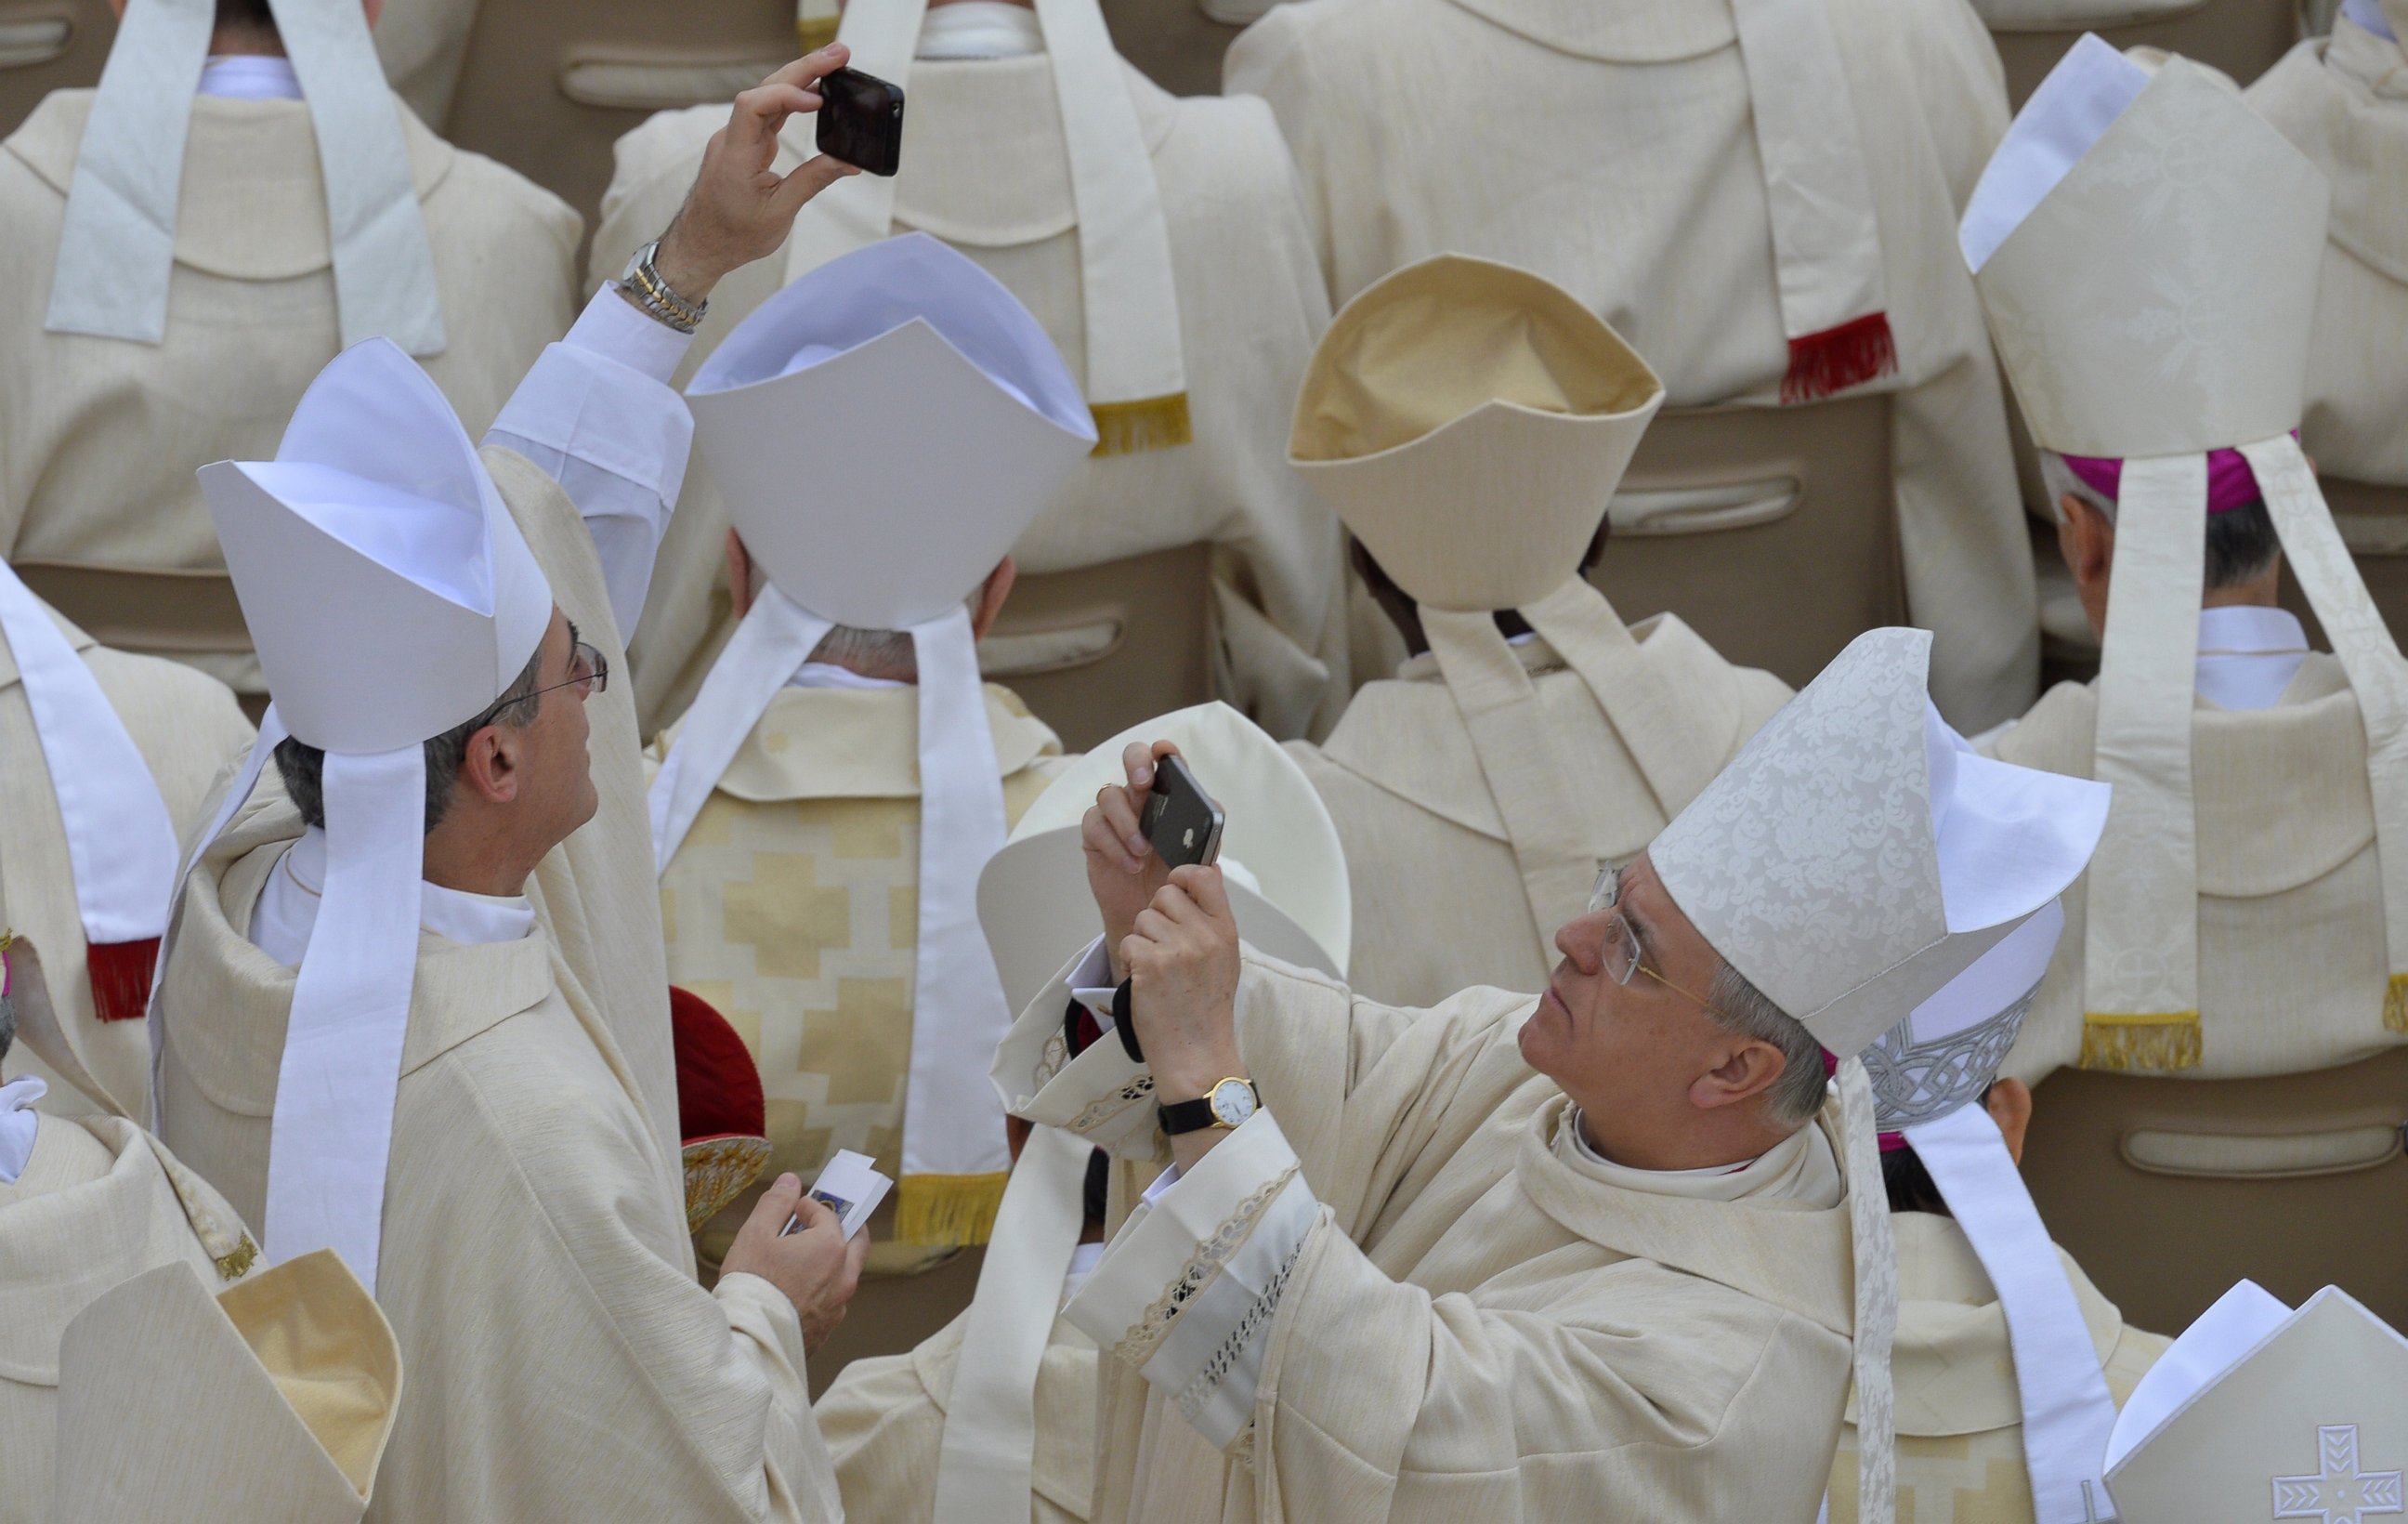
1123 1025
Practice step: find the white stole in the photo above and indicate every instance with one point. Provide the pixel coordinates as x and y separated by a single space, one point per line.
116 246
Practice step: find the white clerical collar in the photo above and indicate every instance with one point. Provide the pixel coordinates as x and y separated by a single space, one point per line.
251 76
979 29
2247 654
820 674
288 907
18 1122
1800 1165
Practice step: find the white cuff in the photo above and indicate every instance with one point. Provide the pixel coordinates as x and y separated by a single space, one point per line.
1187 1291
1091 983
614 325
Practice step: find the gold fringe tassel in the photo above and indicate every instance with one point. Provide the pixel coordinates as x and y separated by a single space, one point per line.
815 32
2395 1004
1148 423
2161 1040
946 1211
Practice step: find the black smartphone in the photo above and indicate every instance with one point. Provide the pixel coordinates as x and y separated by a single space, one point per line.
861 120
1180 818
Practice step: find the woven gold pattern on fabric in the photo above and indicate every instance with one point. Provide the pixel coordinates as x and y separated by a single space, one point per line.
2395 1004
233 1266
1153 423
717 1171
947 1208
2165 1042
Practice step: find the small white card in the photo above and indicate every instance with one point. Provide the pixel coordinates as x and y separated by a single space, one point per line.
850 1186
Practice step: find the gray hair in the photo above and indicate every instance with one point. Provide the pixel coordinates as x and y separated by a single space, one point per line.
883 654
1738 1007
8 1023
2242 543
303 766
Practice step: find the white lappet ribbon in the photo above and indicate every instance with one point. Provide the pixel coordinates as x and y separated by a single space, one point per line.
116 246
1137 372
120 838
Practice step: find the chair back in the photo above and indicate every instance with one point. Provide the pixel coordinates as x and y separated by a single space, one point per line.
1095 650
2168 1190
47 45
1771 531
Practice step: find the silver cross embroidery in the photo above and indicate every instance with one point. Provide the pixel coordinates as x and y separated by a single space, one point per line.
2340 1493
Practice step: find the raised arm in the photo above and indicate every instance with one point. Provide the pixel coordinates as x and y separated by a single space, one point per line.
596 412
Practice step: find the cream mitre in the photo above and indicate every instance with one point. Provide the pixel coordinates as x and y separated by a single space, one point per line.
1853 860
882 430
1137 370
1469 420
391 599
271 1399
1929 1073
117 247
2258 1412
2148 250
1285 874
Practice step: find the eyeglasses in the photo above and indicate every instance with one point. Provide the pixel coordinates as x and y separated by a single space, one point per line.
1621 951
589 673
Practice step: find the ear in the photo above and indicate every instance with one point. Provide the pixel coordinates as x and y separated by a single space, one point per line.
740 576
2085 537
492 767
2010 1105
1748 1069
992 593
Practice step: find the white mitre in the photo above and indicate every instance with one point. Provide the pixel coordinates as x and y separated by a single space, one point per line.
391 599
2148 248
1929 1075
1285 874
2261 1413
270 1400
1853 859
882 431
116 246
1137 370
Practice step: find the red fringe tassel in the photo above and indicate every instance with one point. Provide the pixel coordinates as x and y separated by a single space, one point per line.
1828 363
121 977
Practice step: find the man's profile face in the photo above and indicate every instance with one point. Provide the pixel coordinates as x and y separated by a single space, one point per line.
559 781
1628 1051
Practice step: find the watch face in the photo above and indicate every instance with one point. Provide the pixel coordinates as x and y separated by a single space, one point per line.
1233 1101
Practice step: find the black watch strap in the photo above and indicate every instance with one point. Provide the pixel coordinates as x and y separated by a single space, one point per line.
1125 1026
1180 1116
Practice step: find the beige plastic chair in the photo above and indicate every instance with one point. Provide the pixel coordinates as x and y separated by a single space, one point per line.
1095 649
549 85
1178 43
2169 1190
168 613
2242 38
47 45
1771 531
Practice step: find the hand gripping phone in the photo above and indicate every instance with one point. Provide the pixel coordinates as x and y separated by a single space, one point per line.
861 120
1183 824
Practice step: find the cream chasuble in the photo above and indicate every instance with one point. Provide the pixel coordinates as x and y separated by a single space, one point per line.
1439 901
99 1201
640 1394
2292 952
2342 101
1670 236
187 727
1393 1296
1960 1457
99 438
986 168
790 906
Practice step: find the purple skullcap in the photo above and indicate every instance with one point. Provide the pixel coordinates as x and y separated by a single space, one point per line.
2230 483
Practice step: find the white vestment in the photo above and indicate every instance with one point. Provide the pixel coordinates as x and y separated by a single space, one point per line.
1609 149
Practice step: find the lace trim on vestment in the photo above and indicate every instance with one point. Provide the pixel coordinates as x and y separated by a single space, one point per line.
1153 1326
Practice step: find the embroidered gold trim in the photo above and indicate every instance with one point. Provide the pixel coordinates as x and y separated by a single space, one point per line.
1143 423
2164 1041
2395 1004
947 1210
1145 1336
1134 1093
235 1266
